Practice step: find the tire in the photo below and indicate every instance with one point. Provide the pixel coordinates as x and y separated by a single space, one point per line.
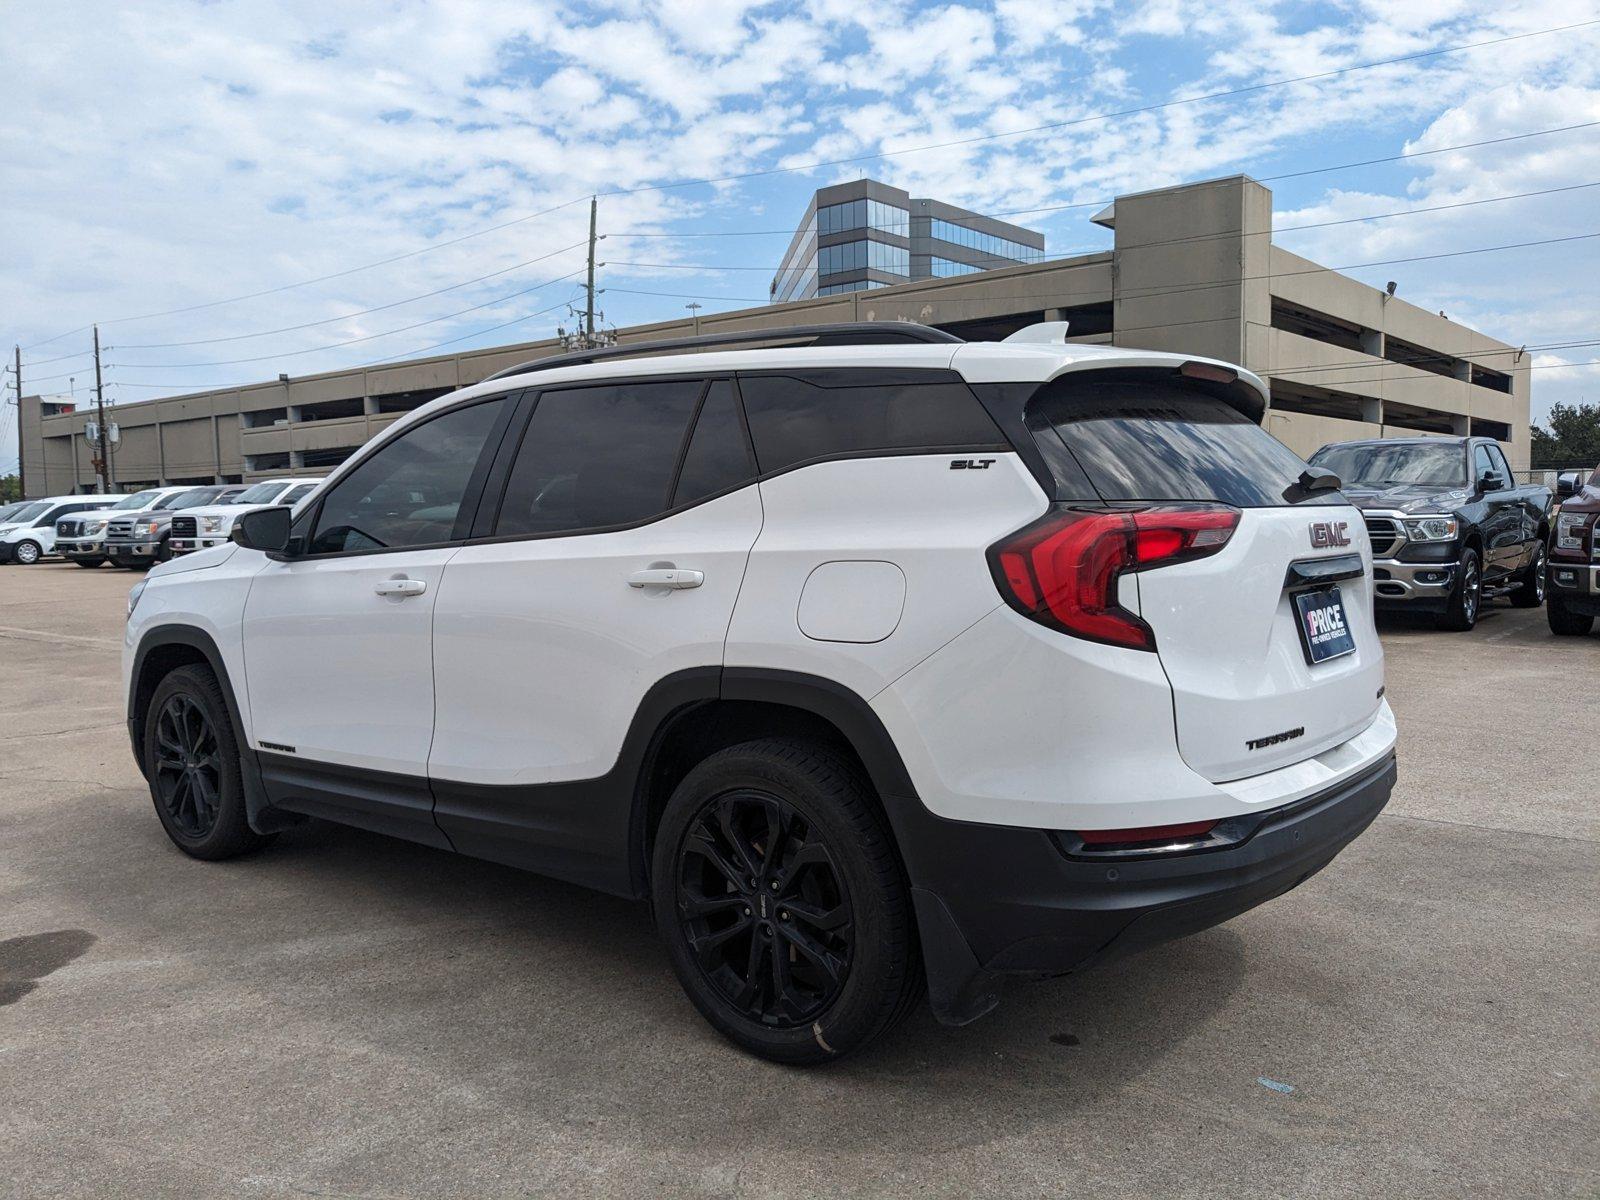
791 989
27 553
89 562
191 756
1461 611
163 553
1529 592
1564 622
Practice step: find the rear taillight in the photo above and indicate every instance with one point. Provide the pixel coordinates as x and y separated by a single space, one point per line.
1062 570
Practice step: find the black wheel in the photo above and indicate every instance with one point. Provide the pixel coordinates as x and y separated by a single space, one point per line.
1529 592
27 553
191 757
88 562
1461 614
1564 622
163 552
782 902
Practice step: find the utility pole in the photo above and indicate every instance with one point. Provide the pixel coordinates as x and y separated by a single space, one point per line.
100 418
588 320
694 308
22 471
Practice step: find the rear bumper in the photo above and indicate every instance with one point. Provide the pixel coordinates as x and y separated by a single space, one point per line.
1415 584
993 901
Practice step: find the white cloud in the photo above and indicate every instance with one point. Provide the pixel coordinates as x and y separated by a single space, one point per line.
163 155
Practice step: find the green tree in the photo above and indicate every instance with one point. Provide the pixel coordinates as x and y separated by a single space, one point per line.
1572 439
10 489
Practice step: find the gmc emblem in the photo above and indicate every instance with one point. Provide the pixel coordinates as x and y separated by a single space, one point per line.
1329 533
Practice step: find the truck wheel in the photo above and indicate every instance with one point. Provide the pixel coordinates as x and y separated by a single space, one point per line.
27 553
1529 592
785 912
163 552
1564 622
1461 613
192 759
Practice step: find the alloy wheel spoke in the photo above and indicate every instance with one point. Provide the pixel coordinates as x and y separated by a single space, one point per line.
700 843
826 962
814 915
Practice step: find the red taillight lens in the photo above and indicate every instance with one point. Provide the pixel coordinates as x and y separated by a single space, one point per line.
1148 836
1062 570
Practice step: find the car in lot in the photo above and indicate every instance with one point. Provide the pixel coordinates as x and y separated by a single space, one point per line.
29 533
1450 526
81 537
201 528
1574 599
140 539
877 661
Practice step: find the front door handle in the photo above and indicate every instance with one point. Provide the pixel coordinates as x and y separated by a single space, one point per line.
666 577
401 587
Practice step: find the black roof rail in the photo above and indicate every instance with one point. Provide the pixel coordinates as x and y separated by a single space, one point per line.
843 333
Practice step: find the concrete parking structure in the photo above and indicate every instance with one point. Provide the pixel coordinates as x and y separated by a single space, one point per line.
345 1014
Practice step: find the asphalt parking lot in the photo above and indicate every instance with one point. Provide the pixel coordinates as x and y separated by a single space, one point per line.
347 1015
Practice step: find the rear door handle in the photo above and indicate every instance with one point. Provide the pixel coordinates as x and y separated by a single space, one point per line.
401 587
663 577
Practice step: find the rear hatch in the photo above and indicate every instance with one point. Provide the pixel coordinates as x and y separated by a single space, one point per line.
1267 639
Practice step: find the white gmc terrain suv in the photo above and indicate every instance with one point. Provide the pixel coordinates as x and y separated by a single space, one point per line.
876 660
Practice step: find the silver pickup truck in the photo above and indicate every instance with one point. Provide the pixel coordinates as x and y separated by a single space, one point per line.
139 539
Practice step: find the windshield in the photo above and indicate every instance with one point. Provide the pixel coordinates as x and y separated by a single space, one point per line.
137 500
261 493
1369 464
193 498
29 511
7 510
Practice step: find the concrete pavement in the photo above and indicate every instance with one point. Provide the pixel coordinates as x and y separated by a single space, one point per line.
352 1016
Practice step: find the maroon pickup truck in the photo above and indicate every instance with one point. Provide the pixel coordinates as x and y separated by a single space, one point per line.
1573 599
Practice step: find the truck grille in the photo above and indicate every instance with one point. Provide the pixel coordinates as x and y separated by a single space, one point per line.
69 529
1385 534
184 527
120 529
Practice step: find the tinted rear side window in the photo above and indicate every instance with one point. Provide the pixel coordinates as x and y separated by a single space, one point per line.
598 456
824 414
718 458
1150 440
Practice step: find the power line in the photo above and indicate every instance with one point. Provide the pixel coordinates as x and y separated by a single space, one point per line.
238 337
228 362
881 155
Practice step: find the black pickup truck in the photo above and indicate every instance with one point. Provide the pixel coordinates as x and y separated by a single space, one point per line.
1450 527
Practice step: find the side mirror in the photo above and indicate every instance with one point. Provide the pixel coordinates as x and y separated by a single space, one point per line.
1491 482
1568 484
263 529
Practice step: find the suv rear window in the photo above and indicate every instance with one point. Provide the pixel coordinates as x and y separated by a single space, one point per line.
1155 440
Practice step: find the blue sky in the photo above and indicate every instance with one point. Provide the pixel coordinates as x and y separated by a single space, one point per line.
169 155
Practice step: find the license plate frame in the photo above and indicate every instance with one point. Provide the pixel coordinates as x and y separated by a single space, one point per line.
1323 640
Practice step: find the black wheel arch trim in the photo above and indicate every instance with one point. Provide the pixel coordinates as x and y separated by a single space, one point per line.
258 807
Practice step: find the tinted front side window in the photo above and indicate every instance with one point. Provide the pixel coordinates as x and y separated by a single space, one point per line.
718 457
824 414
1148 440
598 456
409 492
